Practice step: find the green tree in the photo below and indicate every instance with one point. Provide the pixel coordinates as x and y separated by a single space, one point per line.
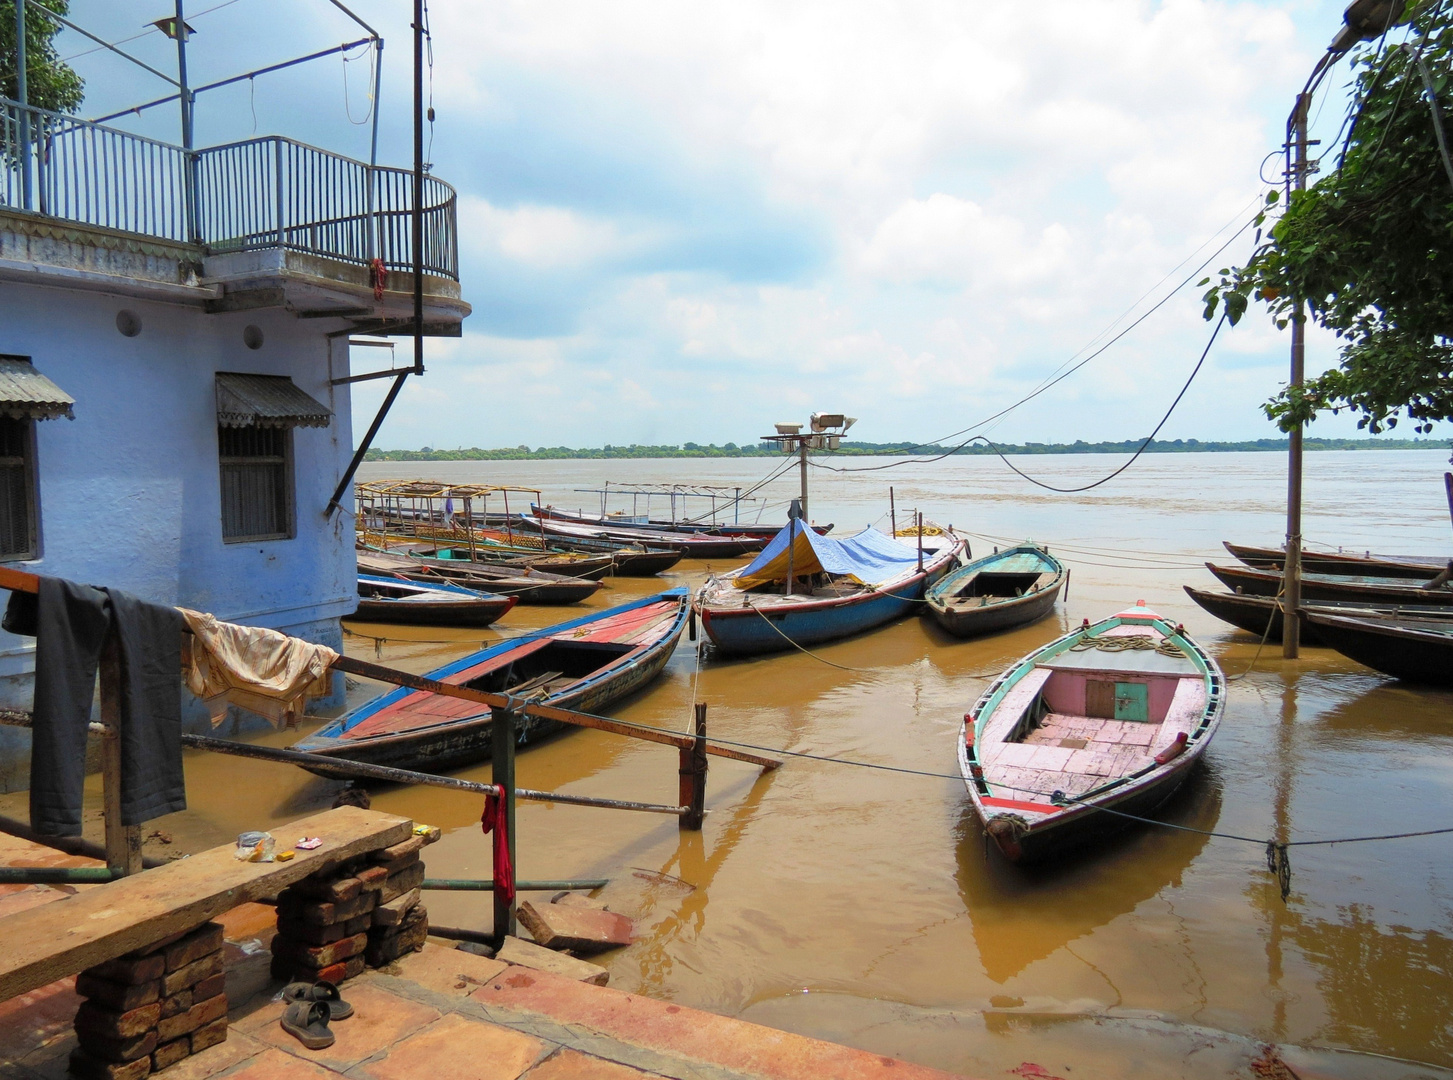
50 84
1369 246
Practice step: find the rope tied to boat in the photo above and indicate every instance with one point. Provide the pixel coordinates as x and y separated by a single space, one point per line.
1280 867
1128 643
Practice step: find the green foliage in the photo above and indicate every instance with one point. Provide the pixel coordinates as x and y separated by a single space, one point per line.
1369 247
897 449
50 84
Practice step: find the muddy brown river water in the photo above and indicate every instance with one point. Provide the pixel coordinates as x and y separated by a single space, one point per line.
859 905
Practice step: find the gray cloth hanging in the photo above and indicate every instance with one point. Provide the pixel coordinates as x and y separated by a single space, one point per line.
71 623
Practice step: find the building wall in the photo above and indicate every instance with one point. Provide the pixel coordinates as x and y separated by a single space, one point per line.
129 492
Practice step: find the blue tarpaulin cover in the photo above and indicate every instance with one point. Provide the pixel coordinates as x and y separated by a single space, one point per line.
869 558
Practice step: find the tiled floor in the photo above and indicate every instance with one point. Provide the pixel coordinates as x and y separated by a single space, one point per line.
443 1014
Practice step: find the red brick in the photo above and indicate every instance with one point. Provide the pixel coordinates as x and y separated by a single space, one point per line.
210 987
131 970
179 1002
330 888
393 912
119 1050
93 1020
398 884
577 929
87 1067
323 955
309 934
358 924
203 1012
192 974
119 997
170 1053
373 877
337 973
203 941
404 848
386 948
209 1035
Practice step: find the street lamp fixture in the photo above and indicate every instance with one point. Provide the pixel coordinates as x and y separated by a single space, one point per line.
826 432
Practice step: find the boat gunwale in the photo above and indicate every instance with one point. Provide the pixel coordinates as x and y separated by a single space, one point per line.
1118 788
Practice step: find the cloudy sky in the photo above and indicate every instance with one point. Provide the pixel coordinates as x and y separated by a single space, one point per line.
684 221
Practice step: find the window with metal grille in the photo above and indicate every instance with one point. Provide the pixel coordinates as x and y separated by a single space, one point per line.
17 489
257 499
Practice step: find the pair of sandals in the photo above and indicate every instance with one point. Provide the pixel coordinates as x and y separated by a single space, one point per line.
310 1008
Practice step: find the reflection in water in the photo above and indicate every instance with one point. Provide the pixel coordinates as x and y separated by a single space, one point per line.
1379 977
1020 914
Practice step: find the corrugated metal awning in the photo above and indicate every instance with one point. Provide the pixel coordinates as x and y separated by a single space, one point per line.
266 401
26 394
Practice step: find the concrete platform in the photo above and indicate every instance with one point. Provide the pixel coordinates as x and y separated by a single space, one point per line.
445 1014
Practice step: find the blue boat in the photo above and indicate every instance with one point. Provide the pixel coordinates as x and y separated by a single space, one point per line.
804 588
1010 588
584 664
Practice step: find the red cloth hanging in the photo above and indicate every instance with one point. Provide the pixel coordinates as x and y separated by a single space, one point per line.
378 274
495 819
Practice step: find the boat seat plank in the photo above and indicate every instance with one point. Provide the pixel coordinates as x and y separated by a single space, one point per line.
1184 712
1011 707
67 936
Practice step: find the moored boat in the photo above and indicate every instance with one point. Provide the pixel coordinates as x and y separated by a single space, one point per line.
692 545
1010 588
1414 567
1346 587
384 599
1414 649
585 664
838 588
1112 716
628 560
530 586
1251 613
642 521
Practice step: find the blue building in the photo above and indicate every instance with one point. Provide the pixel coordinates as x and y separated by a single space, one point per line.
175 367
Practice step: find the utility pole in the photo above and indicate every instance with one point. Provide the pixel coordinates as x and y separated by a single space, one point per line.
23 96
418 244
1292 570
802 467
184 96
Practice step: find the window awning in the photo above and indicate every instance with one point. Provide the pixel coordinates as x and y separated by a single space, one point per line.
26 394
266 401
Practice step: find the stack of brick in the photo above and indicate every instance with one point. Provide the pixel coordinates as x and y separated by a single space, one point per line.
151 1008
366 909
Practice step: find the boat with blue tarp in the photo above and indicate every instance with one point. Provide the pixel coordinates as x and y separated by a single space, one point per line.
1010 588
584 664
805 588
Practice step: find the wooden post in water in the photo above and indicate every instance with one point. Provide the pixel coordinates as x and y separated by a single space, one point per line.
502 772
892 513
123 842
1292 569
693 775
920 541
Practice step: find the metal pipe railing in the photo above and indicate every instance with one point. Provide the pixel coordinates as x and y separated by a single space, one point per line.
263 193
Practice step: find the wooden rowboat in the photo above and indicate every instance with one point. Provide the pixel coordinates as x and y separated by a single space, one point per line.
1418 650
585 664
628 560
718 528
530 586
1109 717
1011 588
827 601
1251 613
1319 587
384 599
692 545
1415 567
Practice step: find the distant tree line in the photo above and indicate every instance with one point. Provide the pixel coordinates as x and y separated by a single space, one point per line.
893 449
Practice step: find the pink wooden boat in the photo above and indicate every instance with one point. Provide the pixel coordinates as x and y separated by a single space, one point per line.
1111 717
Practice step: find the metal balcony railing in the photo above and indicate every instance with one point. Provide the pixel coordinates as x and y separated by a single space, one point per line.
246 196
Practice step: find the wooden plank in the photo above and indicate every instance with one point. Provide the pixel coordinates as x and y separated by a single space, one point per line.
577 929
123 842
68 936
546 712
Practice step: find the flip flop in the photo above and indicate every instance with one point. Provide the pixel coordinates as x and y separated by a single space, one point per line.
322 991
307 1021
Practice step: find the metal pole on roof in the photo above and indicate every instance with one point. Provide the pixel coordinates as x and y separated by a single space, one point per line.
418 187
184 94
22 95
